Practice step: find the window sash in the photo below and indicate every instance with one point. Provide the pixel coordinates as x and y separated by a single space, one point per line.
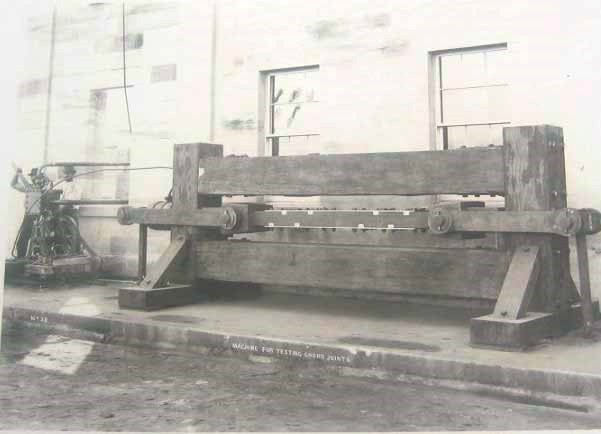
442 123
273 136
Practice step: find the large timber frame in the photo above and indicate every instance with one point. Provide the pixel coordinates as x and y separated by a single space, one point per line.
518 264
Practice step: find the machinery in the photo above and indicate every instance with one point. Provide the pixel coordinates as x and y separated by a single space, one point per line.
513 260
49 243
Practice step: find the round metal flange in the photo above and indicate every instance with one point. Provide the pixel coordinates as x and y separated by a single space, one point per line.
230 219
569 222
440 221
123 216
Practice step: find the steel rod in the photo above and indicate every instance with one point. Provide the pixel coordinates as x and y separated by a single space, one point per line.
83 164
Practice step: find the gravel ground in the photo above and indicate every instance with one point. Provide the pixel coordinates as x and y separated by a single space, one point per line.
117 388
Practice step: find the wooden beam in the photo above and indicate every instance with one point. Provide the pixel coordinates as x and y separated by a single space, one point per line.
407 239
536 180
206 217
451 272
519 282
460 171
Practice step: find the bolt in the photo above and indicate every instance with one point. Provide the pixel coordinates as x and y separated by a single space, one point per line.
504 313
526 249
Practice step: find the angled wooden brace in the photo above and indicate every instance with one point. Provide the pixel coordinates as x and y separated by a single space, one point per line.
157 273
520 281
511 325
152 293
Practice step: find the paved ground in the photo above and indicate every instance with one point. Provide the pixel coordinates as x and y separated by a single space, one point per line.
403 328
53 383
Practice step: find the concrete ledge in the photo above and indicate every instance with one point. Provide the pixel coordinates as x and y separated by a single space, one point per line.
350 358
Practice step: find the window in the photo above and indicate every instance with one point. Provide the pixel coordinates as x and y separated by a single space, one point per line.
471 96
292 117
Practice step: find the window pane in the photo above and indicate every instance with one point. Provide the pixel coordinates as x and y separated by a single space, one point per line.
452 73
465 105
299 145
295 119
294 87
311 86
478 135
498 103
464 69
475 135
496 66
456 137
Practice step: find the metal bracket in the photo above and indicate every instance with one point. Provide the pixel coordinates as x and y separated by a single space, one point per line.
565 222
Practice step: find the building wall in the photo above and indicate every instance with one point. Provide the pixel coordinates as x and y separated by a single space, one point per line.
196 77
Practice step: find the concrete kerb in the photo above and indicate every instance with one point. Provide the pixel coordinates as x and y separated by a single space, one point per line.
553 388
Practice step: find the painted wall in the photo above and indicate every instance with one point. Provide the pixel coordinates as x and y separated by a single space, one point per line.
195 76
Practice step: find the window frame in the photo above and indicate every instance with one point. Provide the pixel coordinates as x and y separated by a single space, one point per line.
268 140
439 129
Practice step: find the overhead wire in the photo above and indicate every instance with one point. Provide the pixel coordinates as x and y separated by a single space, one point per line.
125 70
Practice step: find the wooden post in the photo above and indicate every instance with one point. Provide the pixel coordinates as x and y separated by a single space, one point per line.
155 290
535 179
588 313
186 166
142 251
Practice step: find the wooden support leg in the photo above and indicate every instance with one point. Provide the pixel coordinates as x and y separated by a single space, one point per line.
535 181
511 326
588 313
142 251
151 294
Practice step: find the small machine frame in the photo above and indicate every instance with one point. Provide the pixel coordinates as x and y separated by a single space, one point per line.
515 259
49 244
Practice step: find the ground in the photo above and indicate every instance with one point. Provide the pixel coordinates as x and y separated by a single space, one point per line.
118 388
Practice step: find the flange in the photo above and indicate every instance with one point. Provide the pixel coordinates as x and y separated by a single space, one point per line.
440 221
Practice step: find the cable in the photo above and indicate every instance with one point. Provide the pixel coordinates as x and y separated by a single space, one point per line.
60 181
125 73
